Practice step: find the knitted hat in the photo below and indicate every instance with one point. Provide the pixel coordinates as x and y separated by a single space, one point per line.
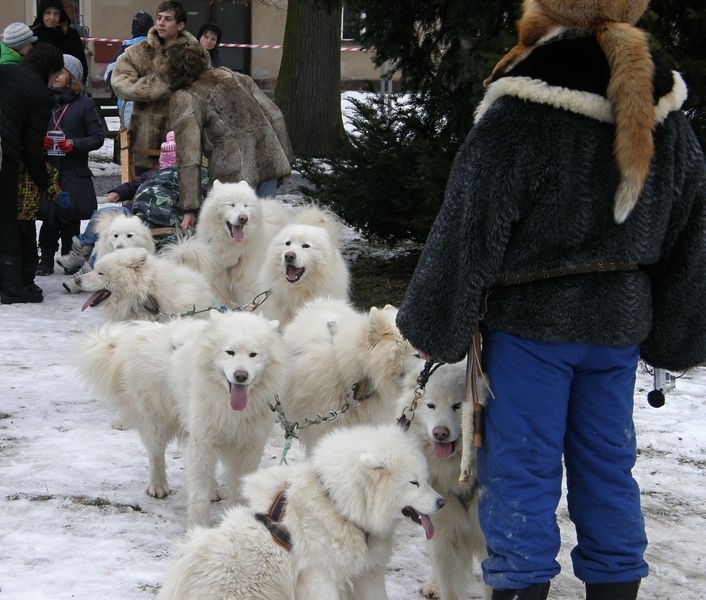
141 23
167 152
17 36
73 66
630 89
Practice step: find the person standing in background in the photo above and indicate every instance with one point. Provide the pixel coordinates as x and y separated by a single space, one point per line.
209 36
25 107
17 40
76 124
138 76
141 24
52 25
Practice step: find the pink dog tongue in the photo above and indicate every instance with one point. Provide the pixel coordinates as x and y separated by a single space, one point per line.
238 396
443 450
237 232
91 299
428 526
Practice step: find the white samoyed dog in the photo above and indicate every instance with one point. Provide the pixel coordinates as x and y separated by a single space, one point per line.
130 283
323 528
458 539
208 381
302 262
231 237
338 355
116 230
130 364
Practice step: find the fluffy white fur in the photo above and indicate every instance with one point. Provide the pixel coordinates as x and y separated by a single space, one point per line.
330 347
129 363
232 234
223 382
302 262
117 230
342 509
132 284
210 380
458 539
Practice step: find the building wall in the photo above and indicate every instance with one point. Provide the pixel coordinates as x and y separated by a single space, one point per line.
112 19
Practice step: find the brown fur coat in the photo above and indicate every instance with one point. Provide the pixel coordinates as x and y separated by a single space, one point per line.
138 76
224 116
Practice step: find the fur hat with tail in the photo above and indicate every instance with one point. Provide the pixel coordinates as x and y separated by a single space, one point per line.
631 71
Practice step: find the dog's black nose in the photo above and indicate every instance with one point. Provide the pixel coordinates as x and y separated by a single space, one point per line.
289 257
440 503
243 219
440 433
241 376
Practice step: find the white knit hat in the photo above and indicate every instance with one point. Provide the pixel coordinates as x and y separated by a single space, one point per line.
167 152
73 65
18 35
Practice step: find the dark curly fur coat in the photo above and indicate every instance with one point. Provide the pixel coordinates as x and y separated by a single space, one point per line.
532 190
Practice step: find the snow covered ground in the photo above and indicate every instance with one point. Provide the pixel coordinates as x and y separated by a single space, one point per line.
75 521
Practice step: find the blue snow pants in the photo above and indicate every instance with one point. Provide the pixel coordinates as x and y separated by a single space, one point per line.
554 399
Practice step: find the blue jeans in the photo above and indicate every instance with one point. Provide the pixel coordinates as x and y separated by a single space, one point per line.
89 235
554 399
266 189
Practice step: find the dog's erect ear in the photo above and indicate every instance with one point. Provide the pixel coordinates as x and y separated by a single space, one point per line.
372 461
216 184
380 326
138 258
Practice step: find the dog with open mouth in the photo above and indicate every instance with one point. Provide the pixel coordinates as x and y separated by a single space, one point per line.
302 262
208 382
458 541
131 283
322 528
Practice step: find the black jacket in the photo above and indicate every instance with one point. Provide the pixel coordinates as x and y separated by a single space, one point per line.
532 190
25 106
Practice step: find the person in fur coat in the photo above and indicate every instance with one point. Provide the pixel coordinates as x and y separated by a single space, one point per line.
137 77
573 231
224 116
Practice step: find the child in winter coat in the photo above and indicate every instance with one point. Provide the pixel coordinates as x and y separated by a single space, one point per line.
74 129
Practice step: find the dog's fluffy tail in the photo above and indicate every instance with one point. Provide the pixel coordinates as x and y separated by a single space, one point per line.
95 359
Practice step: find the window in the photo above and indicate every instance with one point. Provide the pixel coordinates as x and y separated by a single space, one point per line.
348 30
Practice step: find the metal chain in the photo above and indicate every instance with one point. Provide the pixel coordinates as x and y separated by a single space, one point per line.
404 420
255 303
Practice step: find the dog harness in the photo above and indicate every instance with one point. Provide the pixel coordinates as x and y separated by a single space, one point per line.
273 520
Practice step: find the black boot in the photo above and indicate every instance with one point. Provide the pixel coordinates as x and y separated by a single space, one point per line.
538 591
612 591
46 263
11 290
29 268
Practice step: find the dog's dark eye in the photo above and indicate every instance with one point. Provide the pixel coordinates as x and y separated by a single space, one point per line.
129 235
253 354
415 483
115 235
287 243
306 246
431 405
456 406
230 352
101 273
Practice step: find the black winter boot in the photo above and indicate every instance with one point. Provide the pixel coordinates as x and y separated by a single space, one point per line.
46 263
538 591
11 290
612 591
29 268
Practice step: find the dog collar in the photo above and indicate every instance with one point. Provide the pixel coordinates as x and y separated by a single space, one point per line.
273 520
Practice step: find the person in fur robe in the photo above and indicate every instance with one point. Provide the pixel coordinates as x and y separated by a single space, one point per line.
224 116
573 231
136 77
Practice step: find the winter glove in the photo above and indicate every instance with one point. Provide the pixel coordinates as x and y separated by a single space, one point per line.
66 146
64 199
48 142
